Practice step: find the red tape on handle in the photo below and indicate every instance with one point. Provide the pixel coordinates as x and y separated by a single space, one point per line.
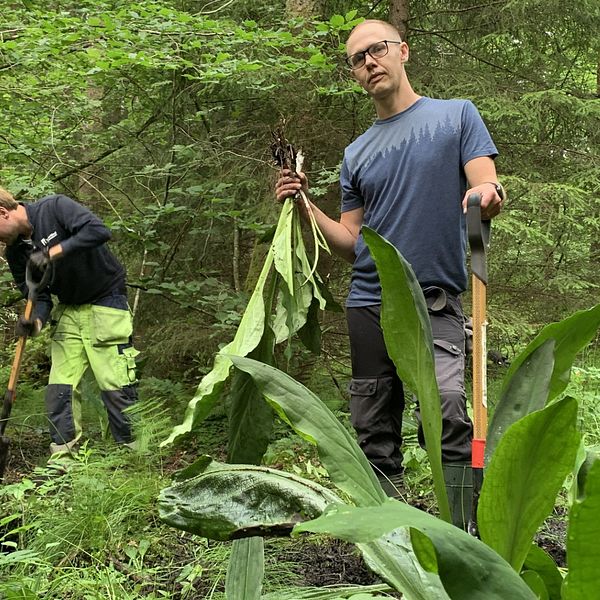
477 453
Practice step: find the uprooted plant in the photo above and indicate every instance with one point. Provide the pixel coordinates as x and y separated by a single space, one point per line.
534 445
285 301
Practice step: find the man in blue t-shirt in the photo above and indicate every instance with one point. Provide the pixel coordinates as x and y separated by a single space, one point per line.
408 177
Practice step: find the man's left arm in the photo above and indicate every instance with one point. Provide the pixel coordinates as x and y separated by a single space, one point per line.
85 228
482 180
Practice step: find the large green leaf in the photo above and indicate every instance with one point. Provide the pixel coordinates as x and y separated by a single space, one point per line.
281 248
526 392
409 341
468 568
583 550
312 420
570 336
524 476
250 421
246 569
224 502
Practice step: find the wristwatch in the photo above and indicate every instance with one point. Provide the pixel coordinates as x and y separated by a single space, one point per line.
499 189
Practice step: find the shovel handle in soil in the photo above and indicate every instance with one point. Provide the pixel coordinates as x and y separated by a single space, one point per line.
11 392
479 235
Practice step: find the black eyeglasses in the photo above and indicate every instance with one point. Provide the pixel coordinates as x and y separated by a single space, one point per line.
376 50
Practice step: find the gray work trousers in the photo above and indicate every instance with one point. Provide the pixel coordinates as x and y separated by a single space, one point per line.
377 395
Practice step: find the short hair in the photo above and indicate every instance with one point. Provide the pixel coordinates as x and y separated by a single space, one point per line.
391 28
7 200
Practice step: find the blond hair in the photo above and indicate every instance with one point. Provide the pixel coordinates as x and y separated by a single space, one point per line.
7 200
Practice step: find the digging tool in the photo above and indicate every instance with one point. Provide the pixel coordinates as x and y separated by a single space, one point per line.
11 392
479 238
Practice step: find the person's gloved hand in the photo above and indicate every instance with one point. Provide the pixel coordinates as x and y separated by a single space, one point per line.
28 327
40 259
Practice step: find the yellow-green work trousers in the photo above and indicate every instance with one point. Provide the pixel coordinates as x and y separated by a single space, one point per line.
99 338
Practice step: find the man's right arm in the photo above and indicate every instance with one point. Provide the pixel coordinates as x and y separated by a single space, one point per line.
340 235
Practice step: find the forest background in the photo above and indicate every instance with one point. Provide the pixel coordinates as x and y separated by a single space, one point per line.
158 115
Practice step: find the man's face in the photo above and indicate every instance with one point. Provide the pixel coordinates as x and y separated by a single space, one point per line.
9 229
380 77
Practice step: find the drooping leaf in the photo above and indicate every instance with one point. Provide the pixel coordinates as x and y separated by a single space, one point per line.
250 421
247 337
524 477
311 419
468 568
526 392
583 551
227 502
281 248
250 417
310 333
246 569
409 341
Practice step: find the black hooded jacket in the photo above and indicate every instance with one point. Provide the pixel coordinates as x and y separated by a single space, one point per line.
87 270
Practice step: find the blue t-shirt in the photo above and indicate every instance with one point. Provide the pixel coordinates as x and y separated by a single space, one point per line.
407 173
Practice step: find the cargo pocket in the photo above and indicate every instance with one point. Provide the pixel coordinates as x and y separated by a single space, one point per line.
130 354
365 404
449 365
110 325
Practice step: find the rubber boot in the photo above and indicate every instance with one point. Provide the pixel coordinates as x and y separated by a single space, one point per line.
393 485
459 485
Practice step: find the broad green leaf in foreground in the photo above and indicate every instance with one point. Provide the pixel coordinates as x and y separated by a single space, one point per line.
312 420
246 569
224 502
468 569
409 341
583 550
526 387
526 392
524 476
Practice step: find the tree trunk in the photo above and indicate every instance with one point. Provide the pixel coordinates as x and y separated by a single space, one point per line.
399 16
302 8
